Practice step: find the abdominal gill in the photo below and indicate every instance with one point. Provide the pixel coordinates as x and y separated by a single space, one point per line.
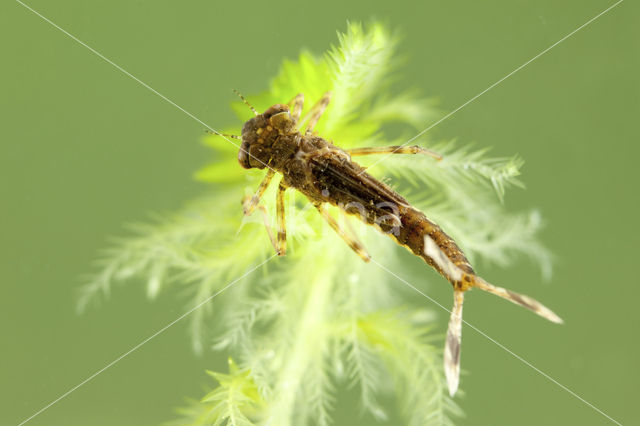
454 333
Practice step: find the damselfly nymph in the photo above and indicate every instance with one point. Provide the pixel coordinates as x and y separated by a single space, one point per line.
327 175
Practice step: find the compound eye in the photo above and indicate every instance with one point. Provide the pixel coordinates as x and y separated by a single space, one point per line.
281 120
243 157
275 109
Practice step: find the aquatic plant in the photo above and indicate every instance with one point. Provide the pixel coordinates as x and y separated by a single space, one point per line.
305 327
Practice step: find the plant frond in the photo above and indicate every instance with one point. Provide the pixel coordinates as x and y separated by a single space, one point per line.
358 67
234 402
462 168
415 365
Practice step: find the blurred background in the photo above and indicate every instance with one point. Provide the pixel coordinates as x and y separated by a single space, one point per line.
86 149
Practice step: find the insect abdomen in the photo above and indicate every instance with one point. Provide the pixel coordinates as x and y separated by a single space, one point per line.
347 185
415 226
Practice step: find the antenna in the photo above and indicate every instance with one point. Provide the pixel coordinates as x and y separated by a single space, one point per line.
213 132
245 101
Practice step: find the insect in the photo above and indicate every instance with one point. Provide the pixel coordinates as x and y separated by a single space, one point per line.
327 175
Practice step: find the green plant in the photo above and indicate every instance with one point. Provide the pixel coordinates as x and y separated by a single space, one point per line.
320 320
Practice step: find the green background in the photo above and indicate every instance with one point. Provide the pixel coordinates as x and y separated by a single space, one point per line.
86 149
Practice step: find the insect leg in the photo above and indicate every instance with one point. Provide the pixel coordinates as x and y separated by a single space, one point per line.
296 106
352 232
316 111
281 245
267 225
250 203
351 242
397 149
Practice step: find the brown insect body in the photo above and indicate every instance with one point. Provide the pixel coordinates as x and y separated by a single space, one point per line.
326 174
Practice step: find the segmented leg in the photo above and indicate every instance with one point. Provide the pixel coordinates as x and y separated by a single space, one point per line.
351 241
316 111
250 203
281 245
396 149
352 231
296 106
267 225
